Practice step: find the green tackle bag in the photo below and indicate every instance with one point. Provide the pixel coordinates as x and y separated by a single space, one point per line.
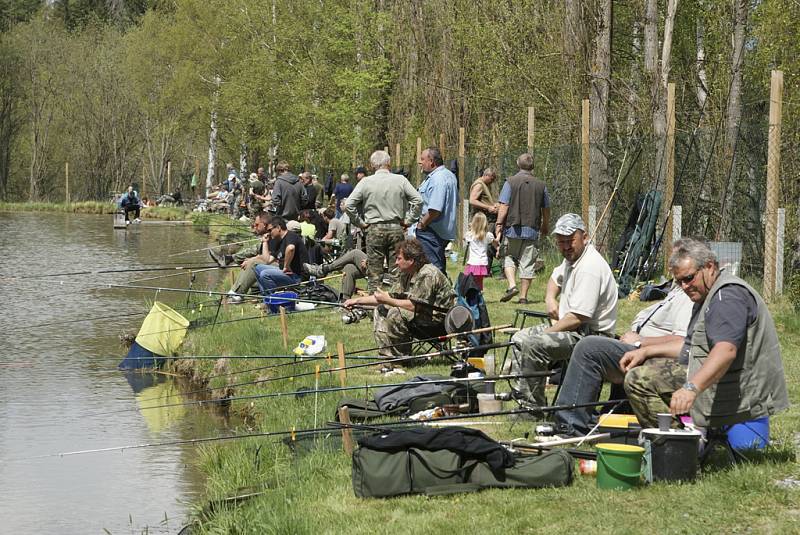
382 474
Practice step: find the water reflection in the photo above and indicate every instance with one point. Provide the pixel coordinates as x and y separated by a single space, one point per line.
55 372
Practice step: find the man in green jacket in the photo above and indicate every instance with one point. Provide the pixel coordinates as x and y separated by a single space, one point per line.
735 371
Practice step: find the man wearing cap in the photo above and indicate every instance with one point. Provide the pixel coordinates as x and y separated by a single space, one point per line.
256 195
439 192
581 299
524 213
417 302
289 253
735 371
389 204
288 194
360 173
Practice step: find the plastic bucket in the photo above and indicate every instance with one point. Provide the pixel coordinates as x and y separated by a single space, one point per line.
749 435
488 403
286 300
670 455
618 466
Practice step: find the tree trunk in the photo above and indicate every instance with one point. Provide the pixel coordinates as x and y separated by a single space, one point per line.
701 138
212 139
733 118
598 129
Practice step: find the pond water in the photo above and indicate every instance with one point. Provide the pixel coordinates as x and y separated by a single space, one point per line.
58 354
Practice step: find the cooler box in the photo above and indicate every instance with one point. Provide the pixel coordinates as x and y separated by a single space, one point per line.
617 423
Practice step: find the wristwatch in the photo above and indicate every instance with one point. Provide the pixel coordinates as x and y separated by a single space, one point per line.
637 344
691 387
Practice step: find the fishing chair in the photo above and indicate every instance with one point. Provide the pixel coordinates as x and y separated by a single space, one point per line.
521 316
718 438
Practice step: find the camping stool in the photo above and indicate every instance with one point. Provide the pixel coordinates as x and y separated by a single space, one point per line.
421 346
543 318
716 437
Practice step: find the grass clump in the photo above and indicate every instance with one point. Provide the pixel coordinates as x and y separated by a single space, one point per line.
311 493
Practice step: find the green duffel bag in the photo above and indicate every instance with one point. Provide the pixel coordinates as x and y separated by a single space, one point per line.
379 474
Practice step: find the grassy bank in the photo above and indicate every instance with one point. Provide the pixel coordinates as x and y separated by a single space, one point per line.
311 493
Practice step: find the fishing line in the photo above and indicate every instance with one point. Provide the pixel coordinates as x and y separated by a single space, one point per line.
332 427
258 238
341 368
121 270
302 393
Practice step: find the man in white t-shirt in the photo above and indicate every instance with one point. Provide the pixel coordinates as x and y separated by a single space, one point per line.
581 299
596 358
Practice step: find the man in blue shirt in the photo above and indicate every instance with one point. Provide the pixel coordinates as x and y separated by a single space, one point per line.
439 192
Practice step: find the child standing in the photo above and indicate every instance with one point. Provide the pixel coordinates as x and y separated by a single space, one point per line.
477 240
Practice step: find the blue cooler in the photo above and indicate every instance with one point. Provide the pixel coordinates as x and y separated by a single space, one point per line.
287 300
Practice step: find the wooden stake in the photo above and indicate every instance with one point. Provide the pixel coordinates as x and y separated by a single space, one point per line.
66 181
669 187
342 372
441 144
585 161
773 182
530 129
347 432
462 159
419 155
284 328
398 162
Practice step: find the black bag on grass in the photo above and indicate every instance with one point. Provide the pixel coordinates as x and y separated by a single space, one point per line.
411 398
381 472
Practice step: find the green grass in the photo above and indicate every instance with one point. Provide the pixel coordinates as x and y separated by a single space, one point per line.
312 493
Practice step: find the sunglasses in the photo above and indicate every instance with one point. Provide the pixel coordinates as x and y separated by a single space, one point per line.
688 279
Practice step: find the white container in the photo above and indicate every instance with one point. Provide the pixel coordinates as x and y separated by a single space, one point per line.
488 403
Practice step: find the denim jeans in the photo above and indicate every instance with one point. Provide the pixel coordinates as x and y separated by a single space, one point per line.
270 277
595 359
433 246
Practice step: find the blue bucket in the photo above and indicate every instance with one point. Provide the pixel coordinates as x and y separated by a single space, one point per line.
749 435
286 300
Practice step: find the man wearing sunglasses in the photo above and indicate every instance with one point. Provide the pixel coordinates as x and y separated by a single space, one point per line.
728 369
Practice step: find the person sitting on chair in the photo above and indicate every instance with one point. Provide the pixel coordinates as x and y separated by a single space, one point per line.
581 299
417 302
735 371
596 359
353 265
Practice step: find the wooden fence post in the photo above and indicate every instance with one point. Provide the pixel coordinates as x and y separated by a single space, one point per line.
585 160
773 182
462 187
531 119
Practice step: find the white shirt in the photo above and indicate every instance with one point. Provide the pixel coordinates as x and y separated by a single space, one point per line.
588 288
477 249
670 316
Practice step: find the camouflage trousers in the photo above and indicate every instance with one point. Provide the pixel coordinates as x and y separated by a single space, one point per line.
381 241
534 351
394 329
650 387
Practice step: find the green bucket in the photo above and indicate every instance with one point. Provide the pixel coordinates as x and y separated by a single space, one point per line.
618 466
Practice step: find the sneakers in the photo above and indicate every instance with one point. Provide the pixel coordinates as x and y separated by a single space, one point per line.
315 270
234 299
127 222
137 220
511 292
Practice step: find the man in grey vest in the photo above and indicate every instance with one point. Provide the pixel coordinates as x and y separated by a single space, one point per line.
735 371
523 216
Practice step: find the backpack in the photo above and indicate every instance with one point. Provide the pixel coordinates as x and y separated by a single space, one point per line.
408 398
317 292
469 295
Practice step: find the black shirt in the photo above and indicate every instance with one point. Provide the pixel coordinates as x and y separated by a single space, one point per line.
277 248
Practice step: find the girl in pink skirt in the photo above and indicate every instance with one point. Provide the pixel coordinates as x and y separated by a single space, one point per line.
477 240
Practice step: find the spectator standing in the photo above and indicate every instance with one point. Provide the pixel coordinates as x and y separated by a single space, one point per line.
523 217
477 240
341 192
288 194
439 192
389 204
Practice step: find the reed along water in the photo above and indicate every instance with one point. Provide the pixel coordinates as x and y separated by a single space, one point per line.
53 377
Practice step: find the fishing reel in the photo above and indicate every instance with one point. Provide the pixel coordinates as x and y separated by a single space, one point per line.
354 315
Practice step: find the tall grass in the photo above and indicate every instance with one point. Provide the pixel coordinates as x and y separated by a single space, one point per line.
312 493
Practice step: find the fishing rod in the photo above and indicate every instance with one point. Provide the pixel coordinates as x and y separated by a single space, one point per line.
302 393
332 427
168 275
125 270
352 354
214 247
397 360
